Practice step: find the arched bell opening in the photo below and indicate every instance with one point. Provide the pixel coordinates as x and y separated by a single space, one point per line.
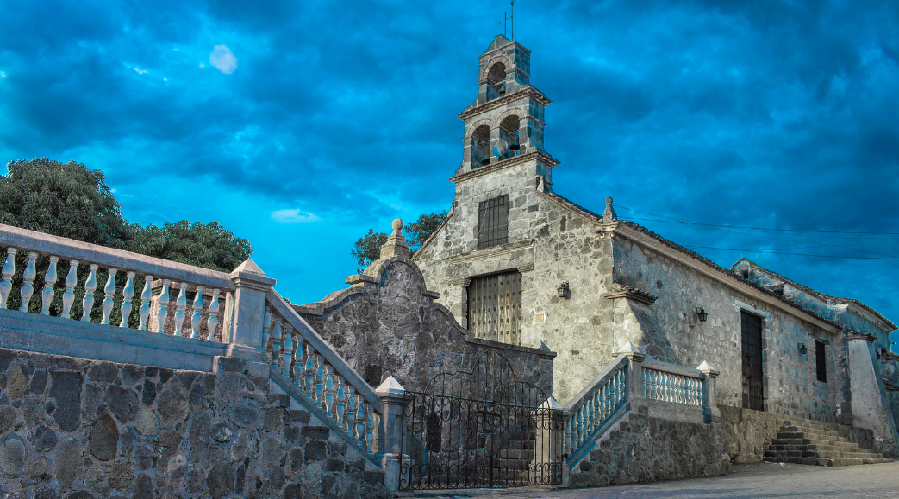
480 146
496 81
509 132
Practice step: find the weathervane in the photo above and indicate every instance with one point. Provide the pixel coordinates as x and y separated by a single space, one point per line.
509 18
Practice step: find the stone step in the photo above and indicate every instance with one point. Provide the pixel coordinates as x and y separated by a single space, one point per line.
851 461
810 431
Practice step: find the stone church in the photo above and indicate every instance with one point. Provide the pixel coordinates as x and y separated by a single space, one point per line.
517 263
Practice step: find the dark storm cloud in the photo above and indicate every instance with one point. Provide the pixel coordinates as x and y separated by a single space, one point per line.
764 114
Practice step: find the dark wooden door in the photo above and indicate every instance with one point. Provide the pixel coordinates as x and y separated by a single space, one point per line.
751 327
494 307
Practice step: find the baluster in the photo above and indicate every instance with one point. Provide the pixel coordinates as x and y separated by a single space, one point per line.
697 391
369 428
90 285
288 355
276 344
108 296
349 422
294 354
9 268
319 381
360 420
328 402
68 297
266 329
309 384
682 389
213 314
181 306
580 424
591 413
145 297
341 406
197 316
49 280
568 436
163 302
28 282
669 389
127 299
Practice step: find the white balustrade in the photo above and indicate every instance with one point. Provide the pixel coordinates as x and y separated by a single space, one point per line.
49 280
90 285
672 387
28 281
145 297
181 306
108 296
68 297
213 320
197 316
9 269
162 302
127 299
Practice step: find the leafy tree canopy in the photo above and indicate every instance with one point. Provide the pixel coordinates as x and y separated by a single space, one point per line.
70 200
368 247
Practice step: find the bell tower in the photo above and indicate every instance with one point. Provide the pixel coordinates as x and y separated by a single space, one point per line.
504 126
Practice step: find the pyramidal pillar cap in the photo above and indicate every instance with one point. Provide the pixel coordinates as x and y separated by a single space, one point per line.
396 243
390 388
248 274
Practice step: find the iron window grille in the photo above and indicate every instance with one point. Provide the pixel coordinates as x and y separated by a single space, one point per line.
493 222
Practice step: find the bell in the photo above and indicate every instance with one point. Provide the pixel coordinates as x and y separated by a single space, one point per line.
485 161
515 147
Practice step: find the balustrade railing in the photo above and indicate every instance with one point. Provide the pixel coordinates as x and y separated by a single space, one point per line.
593 408
297 352
668 386
91 283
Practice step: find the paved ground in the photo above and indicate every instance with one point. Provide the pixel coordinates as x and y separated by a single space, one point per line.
762 480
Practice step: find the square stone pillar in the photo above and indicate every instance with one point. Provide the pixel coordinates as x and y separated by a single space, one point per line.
548 467
395 464
634 371
248 316
710 412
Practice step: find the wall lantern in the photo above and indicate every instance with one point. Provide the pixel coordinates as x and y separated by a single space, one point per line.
802 348
564 290
701 314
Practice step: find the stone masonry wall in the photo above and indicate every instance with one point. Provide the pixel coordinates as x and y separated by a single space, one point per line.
790 383
645 449
548 244
746 434
90 429
394 326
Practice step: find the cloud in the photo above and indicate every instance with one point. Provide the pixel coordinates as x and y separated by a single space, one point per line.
293 216
140 71
2 74
223 59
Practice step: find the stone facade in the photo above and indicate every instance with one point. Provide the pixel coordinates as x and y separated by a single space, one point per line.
642 448
387 324
80 428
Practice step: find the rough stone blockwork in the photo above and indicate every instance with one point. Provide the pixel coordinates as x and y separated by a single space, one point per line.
92 429
746 434
645 449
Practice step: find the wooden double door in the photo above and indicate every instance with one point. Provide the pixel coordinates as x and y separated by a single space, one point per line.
494 307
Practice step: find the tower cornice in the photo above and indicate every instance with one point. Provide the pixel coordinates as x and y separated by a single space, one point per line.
528 91
492 51
540 156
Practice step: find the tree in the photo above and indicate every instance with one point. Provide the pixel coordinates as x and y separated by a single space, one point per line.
70 200
367 249
67 200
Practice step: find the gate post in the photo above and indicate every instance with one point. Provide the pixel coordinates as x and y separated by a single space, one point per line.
634 372
548 467
710 410
393 403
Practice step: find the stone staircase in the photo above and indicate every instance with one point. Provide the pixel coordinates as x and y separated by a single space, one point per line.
811 442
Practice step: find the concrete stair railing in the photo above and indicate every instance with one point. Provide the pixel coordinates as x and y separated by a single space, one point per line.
814 443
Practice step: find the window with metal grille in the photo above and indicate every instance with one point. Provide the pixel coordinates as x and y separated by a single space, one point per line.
493 222
494 307
820 361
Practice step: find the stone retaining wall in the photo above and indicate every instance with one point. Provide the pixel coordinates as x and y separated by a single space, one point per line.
90 429
746 433
646 449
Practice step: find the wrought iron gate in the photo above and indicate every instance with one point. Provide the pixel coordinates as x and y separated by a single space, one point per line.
480 428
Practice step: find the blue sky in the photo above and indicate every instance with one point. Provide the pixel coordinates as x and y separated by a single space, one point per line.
300 125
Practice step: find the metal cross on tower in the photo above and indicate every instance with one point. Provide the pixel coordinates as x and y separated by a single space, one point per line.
511 21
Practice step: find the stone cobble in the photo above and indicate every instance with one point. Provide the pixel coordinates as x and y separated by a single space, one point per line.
92 429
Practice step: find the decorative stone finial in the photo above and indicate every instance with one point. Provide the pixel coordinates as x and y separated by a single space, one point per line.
706 369
550 403
390 388
609 216
396 244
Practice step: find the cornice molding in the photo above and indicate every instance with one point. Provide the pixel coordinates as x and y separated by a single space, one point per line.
540 156
527 91
632 293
